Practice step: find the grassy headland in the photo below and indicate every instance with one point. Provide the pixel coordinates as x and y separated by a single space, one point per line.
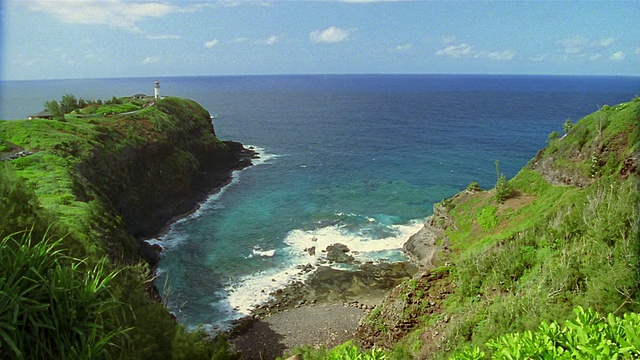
91 184
566 236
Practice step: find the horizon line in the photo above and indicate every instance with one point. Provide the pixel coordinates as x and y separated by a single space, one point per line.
329 74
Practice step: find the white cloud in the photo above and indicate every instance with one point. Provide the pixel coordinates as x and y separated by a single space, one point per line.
457 51
271 40
617 56
330 35
404 47
115 13
604 42
504 55
468 51
595 57
211 43
234 3
580 44
150 60
163 37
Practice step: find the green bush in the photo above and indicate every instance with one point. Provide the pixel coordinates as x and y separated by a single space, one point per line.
554 135
503 189
346 351
487 218
588 336
567 126
473 187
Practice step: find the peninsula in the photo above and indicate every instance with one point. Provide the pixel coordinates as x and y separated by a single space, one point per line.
87 186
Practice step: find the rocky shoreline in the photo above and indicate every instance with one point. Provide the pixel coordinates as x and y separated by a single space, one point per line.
326 309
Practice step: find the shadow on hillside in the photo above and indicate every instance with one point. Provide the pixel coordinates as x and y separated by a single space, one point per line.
259 342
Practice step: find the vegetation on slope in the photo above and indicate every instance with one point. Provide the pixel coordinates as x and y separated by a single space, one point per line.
567 236
74 284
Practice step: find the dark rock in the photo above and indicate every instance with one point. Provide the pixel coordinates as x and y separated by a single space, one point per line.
311 250
338 253
338 247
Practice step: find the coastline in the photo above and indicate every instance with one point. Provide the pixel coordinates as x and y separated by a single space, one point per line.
150 245
326 310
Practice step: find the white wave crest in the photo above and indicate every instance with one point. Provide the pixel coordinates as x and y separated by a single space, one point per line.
255 289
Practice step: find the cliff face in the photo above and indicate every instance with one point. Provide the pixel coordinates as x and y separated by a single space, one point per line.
149 182
568 235
109 179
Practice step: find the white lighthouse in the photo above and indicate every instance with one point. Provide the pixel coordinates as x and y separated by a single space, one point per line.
156 90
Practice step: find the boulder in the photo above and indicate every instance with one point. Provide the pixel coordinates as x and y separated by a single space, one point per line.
338 253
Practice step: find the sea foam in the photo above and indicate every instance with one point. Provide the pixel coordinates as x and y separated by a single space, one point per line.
252 290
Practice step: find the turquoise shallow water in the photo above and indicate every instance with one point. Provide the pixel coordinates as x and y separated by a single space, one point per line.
353 159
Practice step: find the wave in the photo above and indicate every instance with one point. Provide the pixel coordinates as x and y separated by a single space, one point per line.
365 245
258 251
263 156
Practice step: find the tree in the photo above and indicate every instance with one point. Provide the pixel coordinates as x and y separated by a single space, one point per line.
69 103
55 109
554 135
567 126
503 188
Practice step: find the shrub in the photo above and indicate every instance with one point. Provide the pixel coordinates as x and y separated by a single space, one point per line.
554 135
473 187
503 188
567 126
487 218
588 336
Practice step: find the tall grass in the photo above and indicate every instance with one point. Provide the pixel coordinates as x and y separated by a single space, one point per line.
52 305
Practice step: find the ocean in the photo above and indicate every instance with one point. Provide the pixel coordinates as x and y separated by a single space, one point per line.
352 159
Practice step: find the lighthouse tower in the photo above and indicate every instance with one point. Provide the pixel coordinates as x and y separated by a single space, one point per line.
156 90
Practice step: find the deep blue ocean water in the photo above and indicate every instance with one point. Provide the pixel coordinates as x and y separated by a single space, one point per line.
356 159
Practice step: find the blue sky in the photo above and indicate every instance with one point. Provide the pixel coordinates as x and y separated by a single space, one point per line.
117 38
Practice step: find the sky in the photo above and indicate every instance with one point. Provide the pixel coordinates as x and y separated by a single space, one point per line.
68 39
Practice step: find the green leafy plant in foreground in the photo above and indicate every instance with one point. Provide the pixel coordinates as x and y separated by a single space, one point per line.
53 306
588 336
346 351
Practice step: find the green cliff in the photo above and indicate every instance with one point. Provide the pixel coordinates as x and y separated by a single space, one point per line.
99 183
566 236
